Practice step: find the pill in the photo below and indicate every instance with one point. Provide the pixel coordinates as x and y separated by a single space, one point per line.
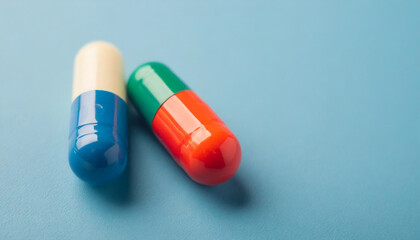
189 129
98 119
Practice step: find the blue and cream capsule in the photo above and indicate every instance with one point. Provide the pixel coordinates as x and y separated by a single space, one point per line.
98 125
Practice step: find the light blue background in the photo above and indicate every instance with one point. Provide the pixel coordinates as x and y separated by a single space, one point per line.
323 96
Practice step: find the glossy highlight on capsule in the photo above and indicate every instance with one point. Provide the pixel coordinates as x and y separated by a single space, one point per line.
189 129
98 124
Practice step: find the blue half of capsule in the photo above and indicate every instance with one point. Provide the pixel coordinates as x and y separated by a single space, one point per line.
98 136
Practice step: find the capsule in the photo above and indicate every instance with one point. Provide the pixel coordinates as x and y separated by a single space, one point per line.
188 128
98 124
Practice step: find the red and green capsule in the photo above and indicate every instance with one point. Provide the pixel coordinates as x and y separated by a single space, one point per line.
189 129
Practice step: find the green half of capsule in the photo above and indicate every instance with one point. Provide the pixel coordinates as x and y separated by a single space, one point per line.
150 85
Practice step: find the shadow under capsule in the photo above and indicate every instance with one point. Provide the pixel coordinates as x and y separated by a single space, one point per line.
233 194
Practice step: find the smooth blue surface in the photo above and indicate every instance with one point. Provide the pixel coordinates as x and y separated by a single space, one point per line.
98 138
327 112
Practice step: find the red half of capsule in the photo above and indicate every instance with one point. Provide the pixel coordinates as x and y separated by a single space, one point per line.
197 139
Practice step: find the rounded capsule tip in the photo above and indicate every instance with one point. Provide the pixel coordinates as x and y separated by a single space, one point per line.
92 46
97 161
215 159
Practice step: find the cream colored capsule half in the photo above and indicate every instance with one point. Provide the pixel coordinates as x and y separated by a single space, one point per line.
99 66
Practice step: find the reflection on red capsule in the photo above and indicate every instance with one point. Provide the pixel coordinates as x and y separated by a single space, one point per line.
197 139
